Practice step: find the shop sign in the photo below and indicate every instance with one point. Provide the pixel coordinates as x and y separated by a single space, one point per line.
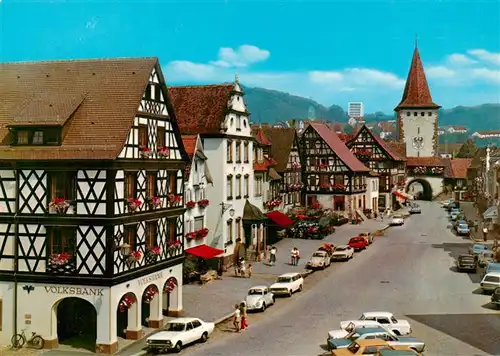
98 292
149 279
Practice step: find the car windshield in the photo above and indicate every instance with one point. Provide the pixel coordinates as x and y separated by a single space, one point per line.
341 248
175 327
488 254
479 247
397 217
255 292
493 279
460 222
463 226
318 254
284 280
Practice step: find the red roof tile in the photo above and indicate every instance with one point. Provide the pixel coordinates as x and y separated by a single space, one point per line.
459 167
264 165
189 142
260 136
425 161
340 149
416 93
200 109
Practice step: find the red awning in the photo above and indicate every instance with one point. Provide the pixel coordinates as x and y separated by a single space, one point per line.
204 251
399 195
279 218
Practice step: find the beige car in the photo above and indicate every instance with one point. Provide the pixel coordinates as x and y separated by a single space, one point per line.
367 236
366 347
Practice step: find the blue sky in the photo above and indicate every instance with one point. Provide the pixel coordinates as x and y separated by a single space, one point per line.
331 51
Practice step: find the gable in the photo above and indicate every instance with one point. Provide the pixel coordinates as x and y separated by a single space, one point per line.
153 99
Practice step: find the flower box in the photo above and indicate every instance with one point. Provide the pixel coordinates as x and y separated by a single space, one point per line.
325 186
149 294
203 203
191 235
316 206
170 285
155 202
272 203
174 245
323 165
126 303
59 206
164 152
338 186
190 204
59 259
174 199
133 204
296 165
146 152
200 234
296 186
155 251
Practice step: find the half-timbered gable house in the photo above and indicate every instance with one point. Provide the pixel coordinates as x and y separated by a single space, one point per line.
218 114
285 150
381 159
197 178
92 177
332 175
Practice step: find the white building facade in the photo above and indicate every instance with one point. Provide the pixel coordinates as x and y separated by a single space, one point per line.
355 109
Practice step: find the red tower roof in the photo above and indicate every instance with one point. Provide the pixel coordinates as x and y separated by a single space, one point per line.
416 93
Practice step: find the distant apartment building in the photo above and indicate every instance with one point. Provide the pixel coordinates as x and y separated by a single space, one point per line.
355 109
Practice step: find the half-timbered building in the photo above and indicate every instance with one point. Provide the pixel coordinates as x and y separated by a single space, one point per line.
92 183
285 151
218 114
389 166
332 175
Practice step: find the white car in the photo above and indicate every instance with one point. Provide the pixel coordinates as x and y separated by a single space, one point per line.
287 284
342 333
319 259
397 220
343 253
386 319
490 282
179 333
259 298
447 203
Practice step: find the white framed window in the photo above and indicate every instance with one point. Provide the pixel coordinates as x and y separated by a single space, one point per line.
238 186
238 123
229 187
246 186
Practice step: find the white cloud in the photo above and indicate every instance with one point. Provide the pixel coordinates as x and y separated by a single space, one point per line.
325 77
351 78
243 56
439 72
486 74
485 56
92 23
459 59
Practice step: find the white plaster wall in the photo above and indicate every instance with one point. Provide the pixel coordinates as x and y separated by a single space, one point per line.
7 295
371 191
8 183
326 200
87 181
190 214
424 126
7 238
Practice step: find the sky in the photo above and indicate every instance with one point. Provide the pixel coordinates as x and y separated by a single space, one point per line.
331 51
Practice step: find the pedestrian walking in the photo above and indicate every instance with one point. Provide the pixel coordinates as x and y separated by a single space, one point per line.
272 255
293 255
237 318
220 270
249 270
485 233
297 256
243 311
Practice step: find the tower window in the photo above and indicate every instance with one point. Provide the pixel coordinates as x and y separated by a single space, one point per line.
422 113
429 113
408 113
415 113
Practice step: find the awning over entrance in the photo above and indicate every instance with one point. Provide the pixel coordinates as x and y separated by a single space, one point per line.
204 251
399 195
491 212
252 213
280 219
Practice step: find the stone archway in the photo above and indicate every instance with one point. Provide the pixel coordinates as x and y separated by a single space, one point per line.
127 317
150 306
426 193
171 297
76 323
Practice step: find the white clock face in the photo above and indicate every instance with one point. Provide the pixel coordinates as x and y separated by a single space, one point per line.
418 142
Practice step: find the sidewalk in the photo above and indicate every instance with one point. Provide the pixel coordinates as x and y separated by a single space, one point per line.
471 213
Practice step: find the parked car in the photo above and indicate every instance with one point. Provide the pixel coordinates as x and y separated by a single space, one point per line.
343 253
485 257
463 230
376 333
365 347
328 248
397 220
415 209
458 222
287 284
342 333
259 298
398 353
491 267
466 262
490 282
318 260
367 236
477 249
386 319
454 216
178 333
447 203
495 297
357 243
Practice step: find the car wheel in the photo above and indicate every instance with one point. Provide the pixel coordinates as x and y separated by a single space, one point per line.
204 337
300 288
178 347
155 352
263 309
396 332
290 293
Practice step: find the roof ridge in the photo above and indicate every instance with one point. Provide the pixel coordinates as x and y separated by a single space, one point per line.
83 60
200 85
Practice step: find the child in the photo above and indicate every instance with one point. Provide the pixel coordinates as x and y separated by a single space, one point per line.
237 318
249 270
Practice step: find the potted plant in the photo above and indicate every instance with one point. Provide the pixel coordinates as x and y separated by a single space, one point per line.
135 256
153 253
164 152
149 294
200 234
133 204
126 303
174 199
191 235
59 259
174 245
190 204
59 206
155 202
146 152
203 203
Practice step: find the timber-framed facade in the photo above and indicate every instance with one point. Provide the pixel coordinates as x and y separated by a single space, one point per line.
93 182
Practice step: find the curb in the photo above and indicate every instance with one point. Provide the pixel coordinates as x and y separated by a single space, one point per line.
142 353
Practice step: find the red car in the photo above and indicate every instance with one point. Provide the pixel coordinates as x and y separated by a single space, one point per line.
357 243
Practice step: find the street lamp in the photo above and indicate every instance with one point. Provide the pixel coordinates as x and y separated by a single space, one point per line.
125 249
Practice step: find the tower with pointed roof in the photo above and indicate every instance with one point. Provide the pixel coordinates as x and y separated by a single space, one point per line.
417 114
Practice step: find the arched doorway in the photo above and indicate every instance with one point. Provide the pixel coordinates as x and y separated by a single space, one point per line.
126 314
149 303
76 323
420 188
169 295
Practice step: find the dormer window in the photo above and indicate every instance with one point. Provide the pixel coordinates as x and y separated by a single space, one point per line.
23 137
37 136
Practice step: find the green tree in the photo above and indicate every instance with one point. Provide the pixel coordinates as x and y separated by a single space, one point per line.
468 149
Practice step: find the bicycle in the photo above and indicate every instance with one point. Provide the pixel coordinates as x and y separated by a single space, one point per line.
19 340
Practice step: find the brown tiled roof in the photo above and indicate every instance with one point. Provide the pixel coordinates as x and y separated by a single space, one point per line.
425 161
416 93
397 147
459 167
264 165
339 147
387 126
394 155
200 109
282 142
478 157
189 142
105 93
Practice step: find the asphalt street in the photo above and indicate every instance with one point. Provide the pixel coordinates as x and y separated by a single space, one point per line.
409 272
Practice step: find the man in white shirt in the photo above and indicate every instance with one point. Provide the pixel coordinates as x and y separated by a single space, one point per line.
237 318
